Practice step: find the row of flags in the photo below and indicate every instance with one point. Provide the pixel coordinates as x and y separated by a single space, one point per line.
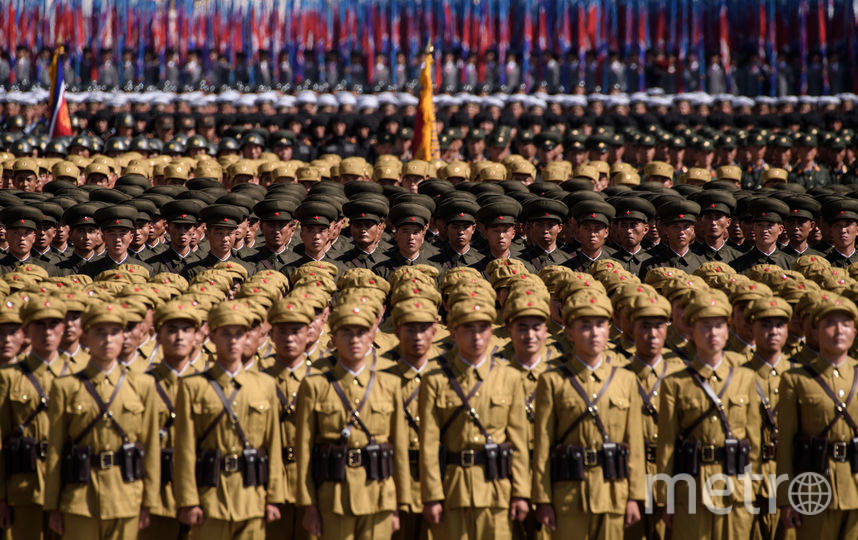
306 29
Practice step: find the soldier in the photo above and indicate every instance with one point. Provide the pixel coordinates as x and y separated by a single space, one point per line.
103 459
752 177
592 219
366 216
117 225
21 223
741 294
543 220
84 236
525 316
716 211
409 222
181 218
70 342
352 441
316 218
416 322
694 441
290 323
468 409
804 212
767 216
227 437
496 222
176 323
816 421
676 219
629 228
46 230
221 222
588 459
842 219
457 216
12 336
278 225
649 317
807 172
769 318
24 390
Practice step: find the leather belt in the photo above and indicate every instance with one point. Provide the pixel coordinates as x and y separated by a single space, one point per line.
105 460
839 450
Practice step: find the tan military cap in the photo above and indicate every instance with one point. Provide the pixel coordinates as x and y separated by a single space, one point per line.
729 172
775 174
658 168
309 174
103 313
416 167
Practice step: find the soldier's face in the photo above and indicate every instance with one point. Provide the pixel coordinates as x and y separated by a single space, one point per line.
180 235
415 338
117 240
836 332
409 238
290 340
770 334
221 239
544 232
767 233
713 226
45 233
352 343
528 334
73 329
649 334
229 342
105 342
315 237
630 233
472 339
592 235
710 335
499 237
589 335
11 340
459 234
679 234
21 240
177 339
45 336
843 232
365 233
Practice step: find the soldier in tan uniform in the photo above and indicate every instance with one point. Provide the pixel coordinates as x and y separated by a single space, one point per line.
702 436
228 470
469 409
588 460
290 323
352 440
649 318
415 321
525 315
816 420
176 324
103 469
75 302
769 320
24 390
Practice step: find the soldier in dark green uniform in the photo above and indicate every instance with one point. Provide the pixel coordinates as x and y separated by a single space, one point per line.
716 212
767 215
543 219
842 219
409 222
278 226
181 218
221 222
807 172
366 215
117 224
677 218
592 219
629 229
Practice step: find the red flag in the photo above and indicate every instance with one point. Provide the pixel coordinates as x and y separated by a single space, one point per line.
724 37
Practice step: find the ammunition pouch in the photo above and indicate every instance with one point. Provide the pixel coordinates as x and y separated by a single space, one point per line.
690 454
569 463
329 462
166 465
495 459
75 464
22 454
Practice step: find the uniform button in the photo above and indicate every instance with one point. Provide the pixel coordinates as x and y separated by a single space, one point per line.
357 400
655 393
774 372
836 373
477 395
294 394
713 419
476 438
840 393
776 390
594 396
354 381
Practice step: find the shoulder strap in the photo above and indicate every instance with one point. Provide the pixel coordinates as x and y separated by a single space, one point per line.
103 408
649 408
715 403
770 411
43 399
352 413
169 403
592 409
465 406
227 408
840 406
287 405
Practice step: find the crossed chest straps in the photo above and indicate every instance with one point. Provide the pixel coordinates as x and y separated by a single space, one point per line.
103 408
287 405
591 406
839 406
648 407
43 398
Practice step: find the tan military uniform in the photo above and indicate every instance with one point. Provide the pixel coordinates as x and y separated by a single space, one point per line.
289 381
737 345
78 358
138 364
473 506
585 508
682 402
163 521
805 409
357 507
231 510
649 381
106 507
411 524
674 341
19 400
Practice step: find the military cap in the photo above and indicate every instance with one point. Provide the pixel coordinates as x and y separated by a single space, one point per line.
414 310
103 313
600 212
314 269
26 165
504 211
75 301
229 313
492 172
177 310
455 169
458 210
366 209
767 209
529 303
499 137
274 209
96 168
10 308
290 311
500 271
839 210
543 208
409 214
829 303
646 141
747 290
356 166
182 211
415 287
766 308
576 141
713 200
696 175
658 168
179 171
802 206
521 166
21 216
404 273
476 135
782 141
222 215
352 313
42 307
678 210
386 172
647 304
316 212
65 169
416 167
557 171
471 309
636 208
587 302
119 215
775 174
726 141
705 304
308 174
729 172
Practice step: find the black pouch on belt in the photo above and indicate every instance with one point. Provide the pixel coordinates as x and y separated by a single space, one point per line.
208 468
609 461
372 454
386 461
687 457
166 465
492 465
505 459
337 464
250 458
622 461
131 461
75 464
731 452
21 455
262 469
